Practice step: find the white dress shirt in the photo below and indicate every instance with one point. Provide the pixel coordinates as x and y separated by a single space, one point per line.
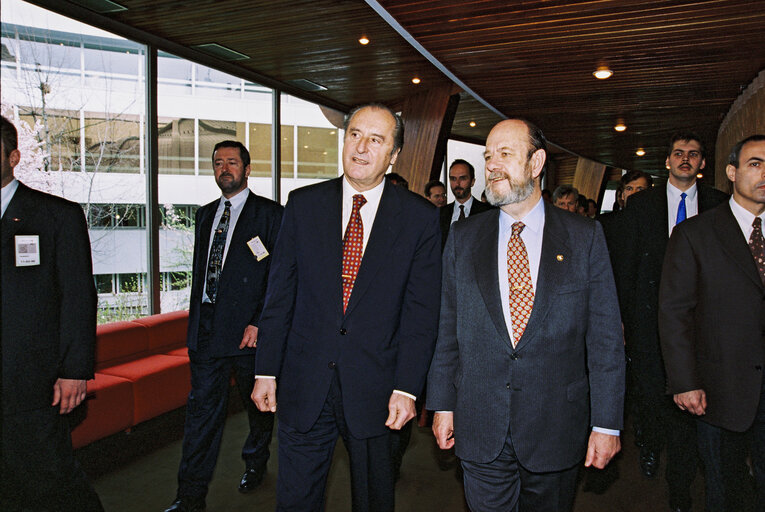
468 205
673 201
7 194
745 218
237 205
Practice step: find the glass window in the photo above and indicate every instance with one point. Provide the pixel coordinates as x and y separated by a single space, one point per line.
64 123
212 132
176 146
211 82
317 152
260 149
288 151
112 143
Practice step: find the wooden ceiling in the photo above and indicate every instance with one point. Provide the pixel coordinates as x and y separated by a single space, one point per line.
678 65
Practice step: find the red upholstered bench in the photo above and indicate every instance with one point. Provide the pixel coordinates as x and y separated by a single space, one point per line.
142 371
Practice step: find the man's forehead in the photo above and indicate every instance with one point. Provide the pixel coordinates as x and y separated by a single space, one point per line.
377 115
459 169
686 144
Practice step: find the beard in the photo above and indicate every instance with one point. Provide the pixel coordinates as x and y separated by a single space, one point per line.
228 186
517 192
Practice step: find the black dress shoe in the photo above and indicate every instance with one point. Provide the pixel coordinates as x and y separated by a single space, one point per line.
649 462
251 479
188 505
680 509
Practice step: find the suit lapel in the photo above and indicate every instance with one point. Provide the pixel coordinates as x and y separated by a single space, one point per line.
382 238
553 267
486 271
19 211
328 243
733 244
205 226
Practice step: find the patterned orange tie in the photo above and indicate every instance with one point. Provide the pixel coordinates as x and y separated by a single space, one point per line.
519 278
757 246
353 244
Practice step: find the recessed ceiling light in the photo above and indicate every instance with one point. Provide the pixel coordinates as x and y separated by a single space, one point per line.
640 152
699 175
364 40
472 124
620 126
416 80
602 73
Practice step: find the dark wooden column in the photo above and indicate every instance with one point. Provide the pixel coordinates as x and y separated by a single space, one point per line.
428 117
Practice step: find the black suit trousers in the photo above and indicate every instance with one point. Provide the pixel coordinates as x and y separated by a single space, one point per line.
305 459
39 470
206 413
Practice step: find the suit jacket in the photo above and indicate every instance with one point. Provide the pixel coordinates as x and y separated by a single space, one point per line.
566 373
447 211
48 310
385 339
712 318
641 243
243 278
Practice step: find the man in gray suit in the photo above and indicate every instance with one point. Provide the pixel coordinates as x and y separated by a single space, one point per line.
528 374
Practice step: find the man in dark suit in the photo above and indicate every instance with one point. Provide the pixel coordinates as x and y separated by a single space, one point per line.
712 325
349 323
461 181
234 236
48 342
528 373
646 223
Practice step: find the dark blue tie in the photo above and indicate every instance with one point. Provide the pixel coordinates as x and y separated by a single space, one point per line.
681 214
215 261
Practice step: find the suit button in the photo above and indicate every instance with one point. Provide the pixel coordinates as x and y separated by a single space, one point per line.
514 356
507 385
331 365
758 367
343 332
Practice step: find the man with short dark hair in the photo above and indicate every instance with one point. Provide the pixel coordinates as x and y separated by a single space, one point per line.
435 191
528 374
648 220
566 197
47 344
461 181
711 319
234 237
347 332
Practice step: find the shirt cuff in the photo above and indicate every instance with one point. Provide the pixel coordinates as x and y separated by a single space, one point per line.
444 412
409 395
265 377
608 431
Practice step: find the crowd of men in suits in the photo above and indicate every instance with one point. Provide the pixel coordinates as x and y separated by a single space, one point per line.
344 303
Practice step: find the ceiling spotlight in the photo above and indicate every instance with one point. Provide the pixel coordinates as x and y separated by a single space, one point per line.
602 73
364 40
699 175
640 152
472 124
620 126
416 80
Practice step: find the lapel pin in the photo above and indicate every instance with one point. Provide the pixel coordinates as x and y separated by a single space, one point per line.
559 257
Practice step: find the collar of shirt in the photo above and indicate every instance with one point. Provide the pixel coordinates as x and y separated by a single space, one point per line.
673 202
237 205
744 217
532 236
368 211
468 205
7 194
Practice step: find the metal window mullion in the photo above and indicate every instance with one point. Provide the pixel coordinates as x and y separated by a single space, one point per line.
152 181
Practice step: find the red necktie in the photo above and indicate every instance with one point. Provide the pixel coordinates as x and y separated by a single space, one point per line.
353 244
757 246
519 278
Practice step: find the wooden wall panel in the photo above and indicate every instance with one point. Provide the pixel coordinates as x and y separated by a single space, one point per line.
589 177
424 116
746 117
